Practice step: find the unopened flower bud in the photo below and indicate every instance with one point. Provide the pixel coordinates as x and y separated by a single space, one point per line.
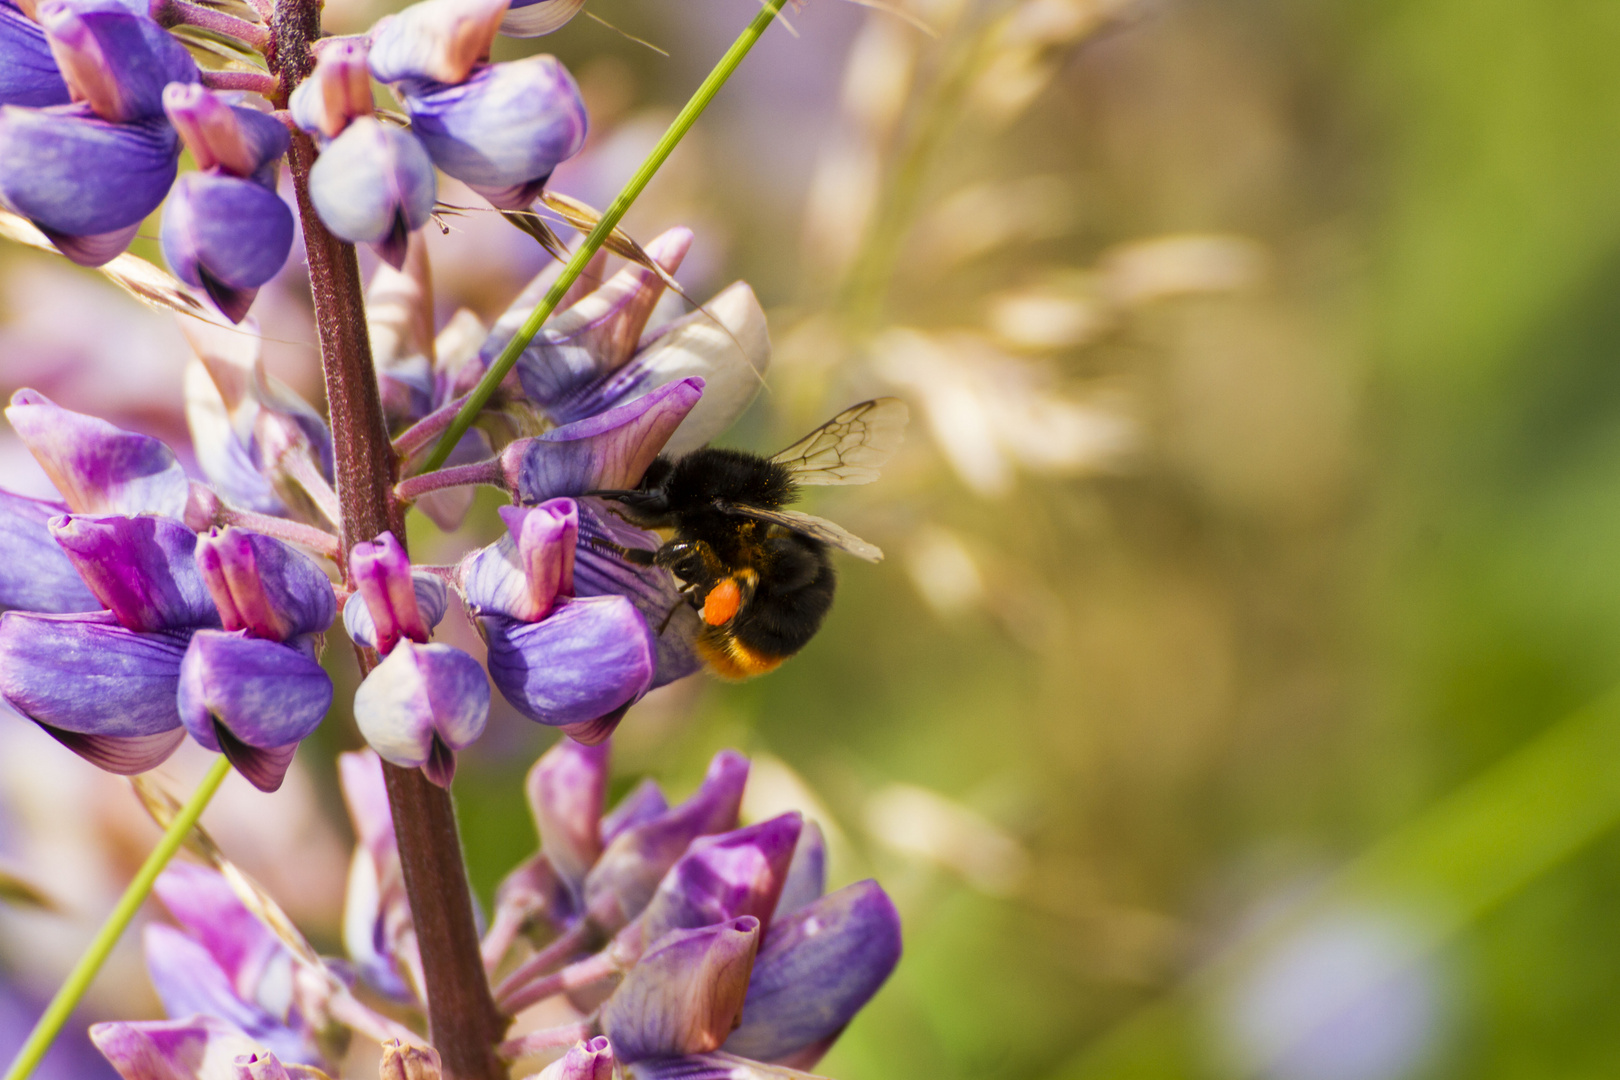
337 91
422 704
393 603
265 1066
142 569
374 184
435 39
592 1060
400 1062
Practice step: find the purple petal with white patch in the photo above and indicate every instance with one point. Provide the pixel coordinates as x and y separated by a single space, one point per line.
607 451
336 92
504 129
592 338
391 602
591 1060
226 236
35 574
720 877
264 586
529 570
816 969
252 700
684 995
104 691
807 876
586 660
565 790
374 184
624 879
98 468
422 704
142 569
86 182
28 72
115 60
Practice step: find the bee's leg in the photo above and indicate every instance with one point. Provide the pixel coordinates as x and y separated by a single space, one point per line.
638 556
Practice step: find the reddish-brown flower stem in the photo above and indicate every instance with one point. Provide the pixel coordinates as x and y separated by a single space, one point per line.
579 973
292 531
556 953
463 1021
556 1038
427 429
267 86
479 472
176 12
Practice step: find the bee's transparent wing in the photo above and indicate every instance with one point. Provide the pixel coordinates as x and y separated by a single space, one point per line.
830 533
851 447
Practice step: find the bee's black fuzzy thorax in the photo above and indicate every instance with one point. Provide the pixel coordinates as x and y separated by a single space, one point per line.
734 476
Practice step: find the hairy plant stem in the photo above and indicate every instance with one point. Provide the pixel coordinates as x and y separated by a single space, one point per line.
463 1021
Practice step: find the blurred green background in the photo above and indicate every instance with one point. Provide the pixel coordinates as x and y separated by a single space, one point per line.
1235 699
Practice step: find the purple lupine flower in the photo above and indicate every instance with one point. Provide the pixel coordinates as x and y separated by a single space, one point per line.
401 1062
35 573
503 129
28 74
223 962
88 173
225 230
195 1048
567 661
374 184
424 701
595 873
807 876
378 932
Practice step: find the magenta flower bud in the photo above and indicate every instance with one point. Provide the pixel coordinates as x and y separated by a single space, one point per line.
422 704
142 569
265 1066
392 596
503 130
401 1062
441 40
720 877
684 995
374 184
608 451
592 1060
565 790
336 92
228 138
816 969
226 236
807 876
98 468
263 586
28 72
115 61
534 18
624 879
35 574
526 573
87 183
252 700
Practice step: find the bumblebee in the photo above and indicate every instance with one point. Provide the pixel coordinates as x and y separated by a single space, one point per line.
760 576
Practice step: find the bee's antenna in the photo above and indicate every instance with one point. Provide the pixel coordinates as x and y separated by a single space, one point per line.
608 493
